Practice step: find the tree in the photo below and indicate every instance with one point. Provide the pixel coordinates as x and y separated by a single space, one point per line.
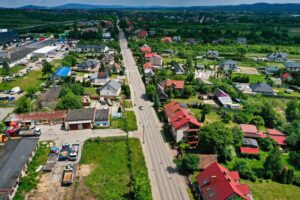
126 91
273 163
293 138
294 157
69 60
23 106
217 138
293 110
69 101
270 116
266 144
237 135
245 170
5 68
189 163
258 121
151 92
47 69
188 91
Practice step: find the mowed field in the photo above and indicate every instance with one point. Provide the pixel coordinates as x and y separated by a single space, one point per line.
109 162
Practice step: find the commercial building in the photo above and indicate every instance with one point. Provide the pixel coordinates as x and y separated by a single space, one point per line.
45 51
7 36
78 119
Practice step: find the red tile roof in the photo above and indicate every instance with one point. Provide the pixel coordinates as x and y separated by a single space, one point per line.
279 139
150 54
285 75
171 108
248 128
182 118
145 49
40 116
142 34
166 39
249 150
217 182
275 132
177 84
148 65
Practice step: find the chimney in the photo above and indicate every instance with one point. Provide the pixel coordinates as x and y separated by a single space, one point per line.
212 179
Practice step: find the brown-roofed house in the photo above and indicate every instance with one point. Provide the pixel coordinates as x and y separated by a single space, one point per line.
206 160
50 97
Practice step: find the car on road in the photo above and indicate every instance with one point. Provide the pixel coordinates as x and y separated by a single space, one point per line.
141 108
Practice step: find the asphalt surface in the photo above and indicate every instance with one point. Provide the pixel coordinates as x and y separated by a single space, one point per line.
165 181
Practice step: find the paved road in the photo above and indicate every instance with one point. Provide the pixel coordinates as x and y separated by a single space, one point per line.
166 183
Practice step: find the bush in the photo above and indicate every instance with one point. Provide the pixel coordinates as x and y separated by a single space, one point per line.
245 171
266 144
294 157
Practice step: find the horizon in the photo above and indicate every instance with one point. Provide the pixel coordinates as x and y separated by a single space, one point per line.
135 3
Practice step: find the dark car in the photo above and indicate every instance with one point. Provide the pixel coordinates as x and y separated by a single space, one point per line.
4 98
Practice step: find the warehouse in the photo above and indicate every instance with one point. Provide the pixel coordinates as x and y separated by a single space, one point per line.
15 157
45 51
78 119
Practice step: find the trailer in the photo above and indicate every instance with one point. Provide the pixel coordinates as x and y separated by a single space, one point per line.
68 175
27 131
74 152
52 158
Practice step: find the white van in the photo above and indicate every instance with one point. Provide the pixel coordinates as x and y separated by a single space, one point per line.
15 90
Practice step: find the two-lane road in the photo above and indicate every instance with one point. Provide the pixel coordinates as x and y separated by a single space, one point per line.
166 183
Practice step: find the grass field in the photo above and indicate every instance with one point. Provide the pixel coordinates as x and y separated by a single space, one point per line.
129 124
30 181
254 78
109 178
90 90
272 190
13 70
127 104
32 79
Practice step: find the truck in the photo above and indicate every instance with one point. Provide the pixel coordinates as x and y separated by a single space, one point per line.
74 152
26 131
68 175
52 158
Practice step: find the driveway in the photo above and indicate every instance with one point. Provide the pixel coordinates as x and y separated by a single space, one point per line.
4 112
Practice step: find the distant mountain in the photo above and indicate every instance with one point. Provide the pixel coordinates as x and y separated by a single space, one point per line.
87 6
33 7
291 7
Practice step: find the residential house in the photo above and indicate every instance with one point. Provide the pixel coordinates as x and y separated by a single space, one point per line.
92 48
262 88
250 131
145 49
61 74
176 38
276 81
174 84
224 99
216 183
191 41
50 98
115 68
212 54
102 118
183 125
88 65
106 36
292 66
108 59
100 78
241 40
270 70
277 136
277 57
229 65
78 119
166 39
249 147
178 69
148 65
111 89
156 60
286 76
162 95
149 73
148 55
142 34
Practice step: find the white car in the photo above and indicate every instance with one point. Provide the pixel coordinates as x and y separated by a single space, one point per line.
141 108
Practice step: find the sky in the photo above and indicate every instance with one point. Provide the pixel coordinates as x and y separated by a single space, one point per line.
18 3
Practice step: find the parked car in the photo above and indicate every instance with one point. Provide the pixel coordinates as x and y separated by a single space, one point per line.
6 92
15 90
74 152
4 98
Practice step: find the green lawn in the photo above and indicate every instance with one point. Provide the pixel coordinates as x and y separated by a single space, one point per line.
127 104
131 121
30 181
32 79
90 90
273 190
13 70
192 99
281 91
254 78
109 178
212 116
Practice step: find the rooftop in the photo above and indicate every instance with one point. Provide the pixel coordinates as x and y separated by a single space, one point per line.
46 49
81 114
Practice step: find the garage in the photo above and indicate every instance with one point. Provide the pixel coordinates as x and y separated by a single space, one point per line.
74 127
86 126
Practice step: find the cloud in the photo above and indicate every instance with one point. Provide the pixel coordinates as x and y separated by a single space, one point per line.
18 3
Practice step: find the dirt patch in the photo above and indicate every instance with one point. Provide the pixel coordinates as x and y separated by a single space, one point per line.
248 70
84 170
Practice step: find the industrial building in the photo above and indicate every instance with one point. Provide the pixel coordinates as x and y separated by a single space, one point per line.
45 51
7 36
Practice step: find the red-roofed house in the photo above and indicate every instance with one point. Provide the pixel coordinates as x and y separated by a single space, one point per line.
278 136
156 60
249 150
175 84
142 34
218 183
184 125
166 39
145 49
286 76
148 55
251 131
148 65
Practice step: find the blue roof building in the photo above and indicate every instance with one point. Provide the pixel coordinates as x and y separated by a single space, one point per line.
61 74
